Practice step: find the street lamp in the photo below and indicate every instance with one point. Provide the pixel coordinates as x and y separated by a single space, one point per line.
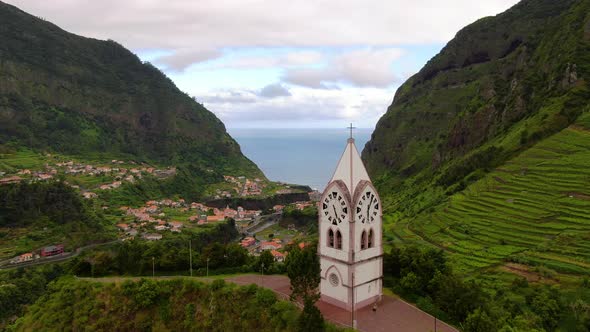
153 267
262 274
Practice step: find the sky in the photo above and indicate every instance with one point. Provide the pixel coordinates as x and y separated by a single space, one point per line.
278 63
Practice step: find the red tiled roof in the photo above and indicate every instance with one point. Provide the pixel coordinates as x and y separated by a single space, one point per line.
276 253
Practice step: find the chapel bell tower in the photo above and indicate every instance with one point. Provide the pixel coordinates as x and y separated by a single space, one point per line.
350 227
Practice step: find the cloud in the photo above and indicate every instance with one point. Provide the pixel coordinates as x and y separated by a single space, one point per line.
310 77
359 105
365 67
180 60
274 90
228 98
213 24
271 57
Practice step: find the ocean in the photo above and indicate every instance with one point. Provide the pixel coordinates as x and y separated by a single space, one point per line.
297 156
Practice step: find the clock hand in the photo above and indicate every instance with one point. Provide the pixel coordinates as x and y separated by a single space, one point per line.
335 213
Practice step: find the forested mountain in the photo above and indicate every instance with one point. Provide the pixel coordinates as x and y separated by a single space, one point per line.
484 154
502 84
74 95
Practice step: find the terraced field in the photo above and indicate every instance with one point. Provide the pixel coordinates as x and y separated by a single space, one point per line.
534 210
21 160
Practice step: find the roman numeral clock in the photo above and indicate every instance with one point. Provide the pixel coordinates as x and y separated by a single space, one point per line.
350 227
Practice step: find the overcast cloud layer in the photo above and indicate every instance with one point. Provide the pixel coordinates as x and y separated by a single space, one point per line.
293 63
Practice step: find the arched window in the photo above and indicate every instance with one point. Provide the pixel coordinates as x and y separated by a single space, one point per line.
363 240
338 240
331 238
370 244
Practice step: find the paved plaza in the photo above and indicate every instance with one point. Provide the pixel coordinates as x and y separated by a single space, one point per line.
391 315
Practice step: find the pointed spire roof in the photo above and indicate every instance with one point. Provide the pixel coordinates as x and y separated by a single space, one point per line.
350 169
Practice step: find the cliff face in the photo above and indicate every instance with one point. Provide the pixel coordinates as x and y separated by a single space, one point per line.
76 95
521 73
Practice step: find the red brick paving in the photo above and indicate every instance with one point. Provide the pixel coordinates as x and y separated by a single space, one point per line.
392 314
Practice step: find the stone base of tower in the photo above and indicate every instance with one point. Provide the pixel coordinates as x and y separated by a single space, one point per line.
348 306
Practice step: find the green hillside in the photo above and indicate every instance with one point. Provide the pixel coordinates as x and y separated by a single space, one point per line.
146 305
532 210
501 85
444 155
484 154
81 96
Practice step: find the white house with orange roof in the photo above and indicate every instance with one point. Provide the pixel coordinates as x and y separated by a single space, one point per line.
278 256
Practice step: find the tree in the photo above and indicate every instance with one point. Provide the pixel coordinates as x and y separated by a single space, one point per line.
265 259
479 321
215 254
311 318
303 269
236 255
410 283
546 304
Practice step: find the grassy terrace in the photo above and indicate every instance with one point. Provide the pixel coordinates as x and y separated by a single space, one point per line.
534 210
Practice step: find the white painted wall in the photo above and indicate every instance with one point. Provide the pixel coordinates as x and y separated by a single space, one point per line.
339 292
367 291
366 271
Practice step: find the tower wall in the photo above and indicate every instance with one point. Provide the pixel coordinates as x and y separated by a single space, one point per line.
351 264
338 295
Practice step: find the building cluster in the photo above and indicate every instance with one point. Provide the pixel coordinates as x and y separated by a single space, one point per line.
275 247
23 174
52 250
119 173
151 215
256 247
242 187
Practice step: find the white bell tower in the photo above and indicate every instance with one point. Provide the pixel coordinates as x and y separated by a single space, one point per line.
350 228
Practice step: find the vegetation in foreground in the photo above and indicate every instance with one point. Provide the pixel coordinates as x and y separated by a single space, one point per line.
167 305
426 278
64 302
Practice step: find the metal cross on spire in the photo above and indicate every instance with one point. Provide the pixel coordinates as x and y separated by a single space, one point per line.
351 128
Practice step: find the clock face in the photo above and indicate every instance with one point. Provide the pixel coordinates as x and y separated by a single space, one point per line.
367 208
334 208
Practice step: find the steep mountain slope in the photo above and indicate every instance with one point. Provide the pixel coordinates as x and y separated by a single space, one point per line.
531 211
502 84
76 95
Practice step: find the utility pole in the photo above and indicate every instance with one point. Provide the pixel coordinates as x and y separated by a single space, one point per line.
153 266
190 255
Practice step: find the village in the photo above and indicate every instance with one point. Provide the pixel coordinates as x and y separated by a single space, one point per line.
78 174
90 179
152 222
157 219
